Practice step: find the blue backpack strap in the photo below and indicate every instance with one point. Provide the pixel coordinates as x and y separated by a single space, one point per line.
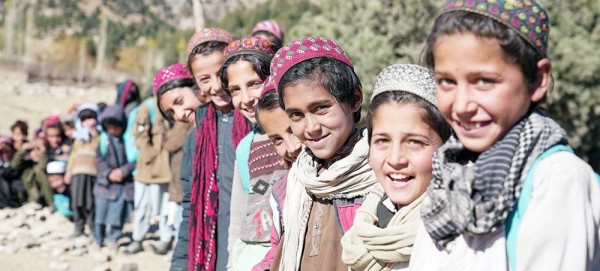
516 215
242 155
103 145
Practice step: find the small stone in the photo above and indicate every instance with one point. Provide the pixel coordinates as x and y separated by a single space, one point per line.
129 267
102 268
40 231
59 266
80 242
100 257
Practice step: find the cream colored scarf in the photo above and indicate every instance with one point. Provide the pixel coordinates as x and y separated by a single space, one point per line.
368 247
349 177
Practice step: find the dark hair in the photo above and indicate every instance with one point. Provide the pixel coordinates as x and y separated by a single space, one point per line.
430 113
59 127
87 114
260 64
267 102
335 76
101 106
205 49
515 49
112 122
274 39
22 126
177 83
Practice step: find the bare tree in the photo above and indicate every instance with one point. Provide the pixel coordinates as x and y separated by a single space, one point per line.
101 44
198 9
9 28
81 70
28 34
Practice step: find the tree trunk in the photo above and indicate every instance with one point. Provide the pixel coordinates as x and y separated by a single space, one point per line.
198 9
29 24
101 45
9 28
81 70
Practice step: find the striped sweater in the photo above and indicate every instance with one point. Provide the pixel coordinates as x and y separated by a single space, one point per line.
82 159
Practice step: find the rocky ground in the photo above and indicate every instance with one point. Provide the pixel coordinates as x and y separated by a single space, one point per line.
34 238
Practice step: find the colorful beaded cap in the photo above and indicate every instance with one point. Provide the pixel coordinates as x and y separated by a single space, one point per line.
268 85
408 78
208 34
170 73
527 17
269 26
306 48
251 45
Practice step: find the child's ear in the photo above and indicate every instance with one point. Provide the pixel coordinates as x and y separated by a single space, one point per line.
544 80
358 96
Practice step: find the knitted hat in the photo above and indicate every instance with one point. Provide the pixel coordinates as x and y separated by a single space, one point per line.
6 140
408 78
170 73
206 35
269 26
269 85
302 49
51 120
56 167
526 17
251 45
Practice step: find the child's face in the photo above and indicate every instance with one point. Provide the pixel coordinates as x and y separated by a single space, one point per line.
114 130
206 74
245 87
276 125
402 146
17 135
90 123
480 94
318 120
53 137
56 182
180 103
68 127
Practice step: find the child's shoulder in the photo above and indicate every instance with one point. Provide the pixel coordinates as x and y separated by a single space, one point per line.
564 169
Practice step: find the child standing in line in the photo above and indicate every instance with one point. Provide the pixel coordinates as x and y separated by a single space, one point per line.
322 96
258 167
507 193
114 184
81 166
400 152
207 182
276 125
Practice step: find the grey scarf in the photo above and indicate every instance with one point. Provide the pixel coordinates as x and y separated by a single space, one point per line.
473 193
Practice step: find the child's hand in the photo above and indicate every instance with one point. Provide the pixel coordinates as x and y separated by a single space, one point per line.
116 175
68 177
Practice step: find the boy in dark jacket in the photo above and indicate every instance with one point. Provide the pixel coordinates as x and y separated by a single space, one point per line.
114 183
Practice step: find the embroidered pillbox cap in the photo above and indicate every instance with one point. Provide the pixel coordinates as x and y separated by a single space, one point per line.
170 73
251 46
408 78
303 49
526 17
271 27
268 85
206 35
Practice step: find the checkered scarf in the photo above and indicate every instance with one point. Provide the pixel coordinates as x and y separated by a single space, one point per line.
476 197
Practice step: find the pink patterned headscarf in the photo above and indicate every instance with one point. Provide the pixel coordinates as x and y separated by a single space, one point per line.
170 73
208 34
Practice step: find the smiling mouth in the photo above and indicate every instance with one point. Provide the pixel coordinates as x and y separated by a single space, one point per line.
400 179
473 125
315 140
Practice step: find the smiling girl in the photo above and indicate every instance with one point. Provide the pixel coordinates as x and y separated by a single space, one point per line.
506 194
401 148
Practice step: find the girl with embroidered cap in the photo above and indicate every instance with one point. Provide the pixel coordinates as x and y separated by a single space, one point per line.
506 194
258 166
321 95
207 182
401 148
276 125
269 29
81 166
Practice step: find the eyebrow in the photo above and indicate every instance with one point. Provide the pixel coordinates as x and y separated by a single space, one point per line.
310 105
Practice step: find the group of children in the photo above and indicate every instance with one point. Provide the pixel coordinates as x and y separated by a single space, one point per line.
457 168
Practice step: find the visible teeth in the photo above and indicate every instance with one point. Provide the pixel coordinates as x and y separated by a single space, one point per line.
475 125
398 176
